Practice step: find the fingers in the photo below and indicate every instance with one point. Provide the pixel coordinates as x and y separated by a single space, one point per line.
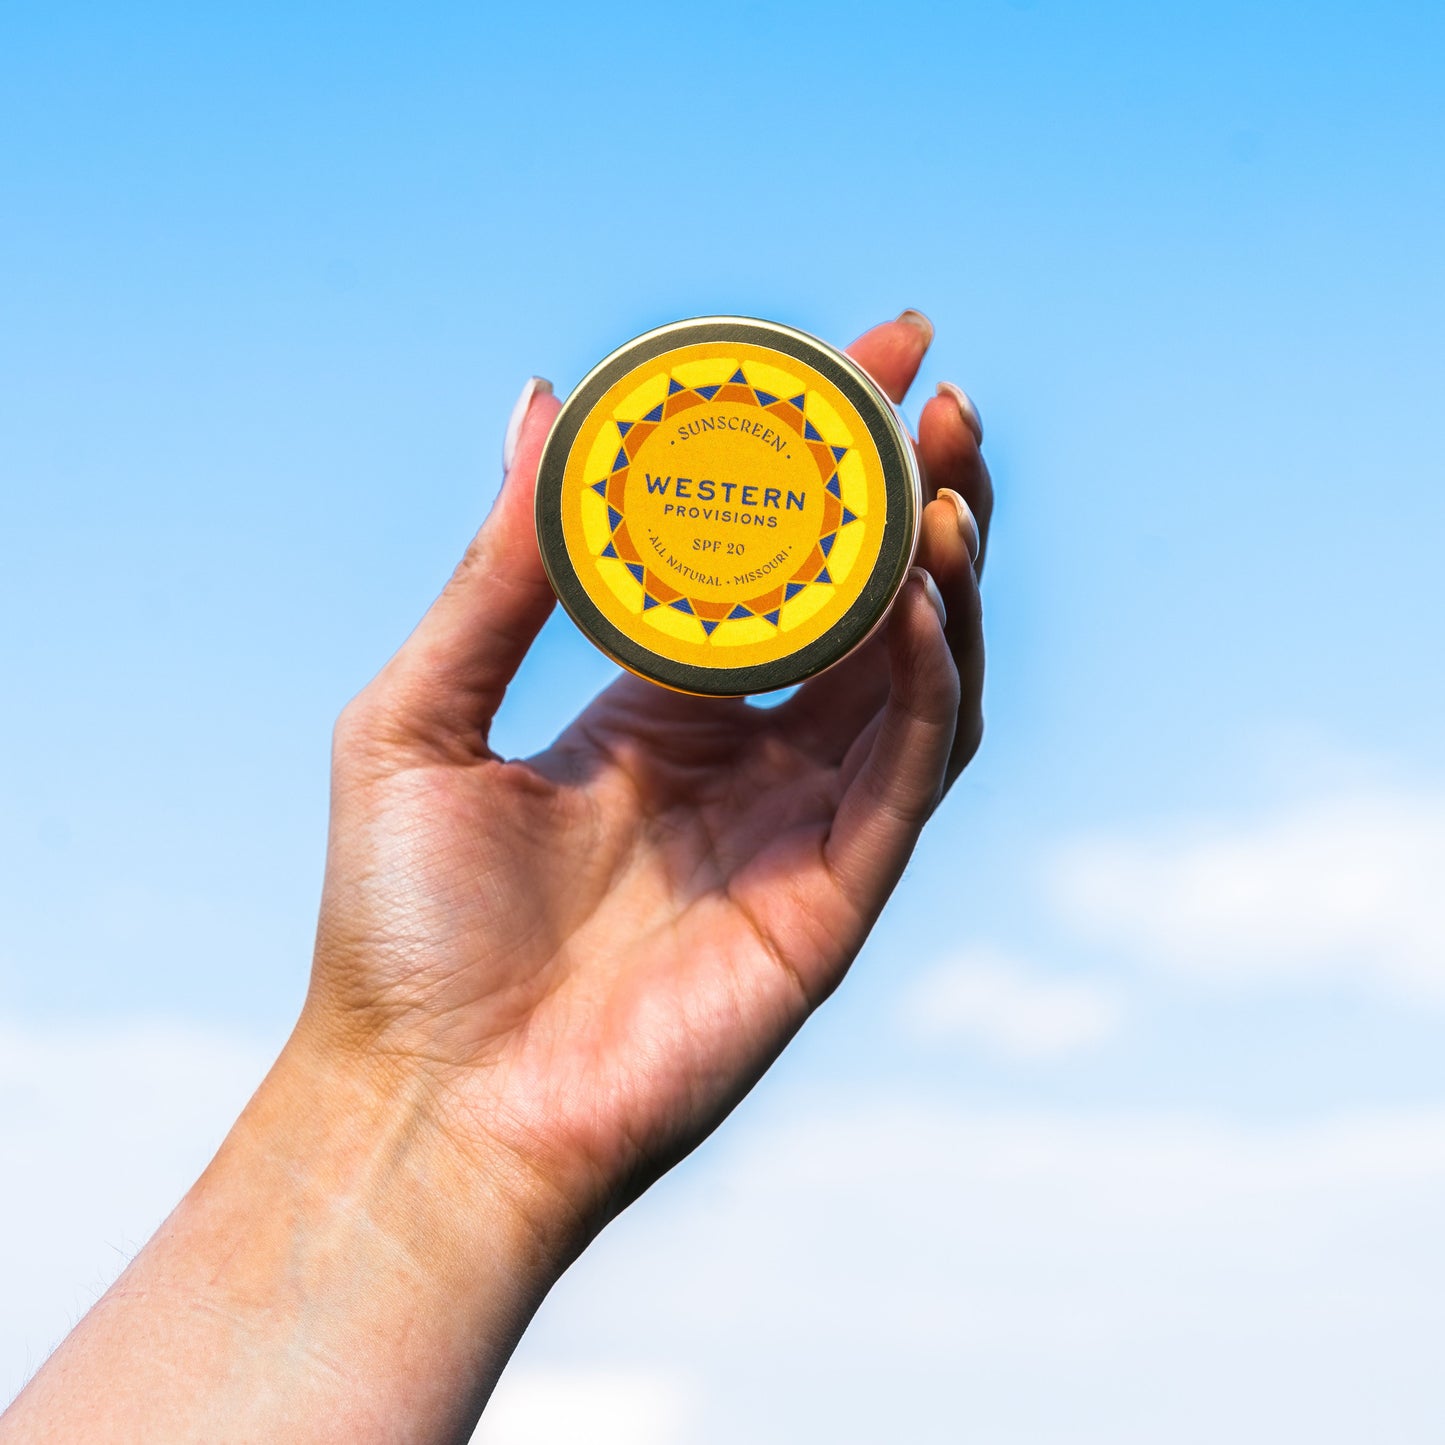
891 353
951 545
901 776
948 436
826 713
829 712
448 679
947 545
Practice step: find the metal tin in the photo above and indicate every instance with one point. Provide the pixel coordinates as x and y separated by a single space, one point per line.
728 506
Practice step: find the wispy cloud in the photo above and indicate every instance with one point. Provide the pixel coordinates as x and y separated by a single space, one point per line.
1353 886
891 1267
555 1405
986 997
909 1270
102 1129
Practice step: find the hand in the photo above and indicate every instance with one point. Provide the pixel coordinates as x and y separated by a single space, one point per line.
592 954
537 984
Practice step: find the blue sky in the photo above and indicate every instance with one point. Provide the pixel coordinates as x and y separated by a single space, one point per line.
273 276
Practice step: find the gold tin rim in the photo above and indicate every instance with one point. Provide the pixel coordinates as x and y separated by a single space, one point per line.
902 485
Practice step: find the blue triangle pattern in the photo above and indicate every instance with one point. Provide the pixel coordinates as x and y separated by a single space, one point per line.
600 488
798 400
848 517
655 414
648 601
682 605
614 518
826 543
772 617
707 626
634 567
737 376
834 487
792 590
625 426
765 398
609 550
620 460
838 453
811 432
674 386
823 576
739 611
707 392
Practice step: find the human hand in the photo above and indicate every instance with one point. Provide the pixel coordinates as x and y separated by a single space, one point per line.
590 955
537 984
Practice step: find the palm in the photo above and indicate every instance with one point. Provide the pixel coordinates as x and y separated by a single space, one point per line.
612 927
602 947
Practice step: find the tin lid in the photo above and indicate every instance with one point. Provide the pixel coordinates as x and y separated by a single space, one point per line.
727 506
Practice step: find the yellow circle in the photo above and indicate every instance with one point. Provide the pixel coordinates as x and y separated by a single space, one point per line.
723 504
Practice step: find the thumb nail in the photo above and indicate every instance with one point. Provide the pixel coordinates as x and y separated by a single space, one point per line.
534 385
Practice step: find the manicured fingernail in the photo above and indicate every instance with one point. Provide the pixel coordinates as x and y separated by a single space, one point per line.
969 410
534 385
930 591
967 523
918 319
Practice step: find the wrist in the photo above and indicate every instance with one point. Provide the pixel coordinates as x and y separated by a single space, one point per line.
372 1145
380 1271
402 1137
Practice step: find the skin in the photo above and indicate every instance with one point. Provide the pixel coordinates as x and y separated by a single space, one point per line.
537 985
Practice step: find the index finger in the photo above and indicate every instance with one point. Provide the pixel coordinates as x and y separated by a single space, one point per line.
892 352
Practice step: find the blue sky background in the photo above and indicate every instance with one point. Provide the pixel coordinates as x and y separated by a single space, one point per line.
270 280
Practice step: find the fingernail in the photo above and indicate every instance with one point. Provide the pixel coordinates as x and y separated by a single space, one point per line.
918 319
967 522
519 415
969 410
930 591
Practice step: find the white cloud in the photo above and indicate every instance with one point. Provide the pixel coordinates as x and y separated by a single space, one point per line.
882 1268
984 996
1353 886
912 1272
561 1406
102 1129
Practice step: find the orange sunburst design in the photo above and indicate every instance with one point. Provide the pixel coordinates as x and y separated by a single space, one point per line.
790 412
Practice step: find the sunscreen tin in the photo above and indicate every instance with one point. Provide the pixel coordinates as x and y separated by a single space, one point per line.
728 506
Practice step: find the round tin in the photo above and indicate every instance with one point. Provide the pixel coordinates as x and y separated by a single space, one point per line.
728 506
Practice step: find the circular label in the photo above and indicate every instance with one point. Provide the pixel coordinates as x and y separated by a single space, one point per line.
723 505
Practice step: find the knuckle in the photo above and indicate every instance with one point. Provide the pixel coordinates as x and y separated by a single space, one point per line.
475 562
360 729
350 727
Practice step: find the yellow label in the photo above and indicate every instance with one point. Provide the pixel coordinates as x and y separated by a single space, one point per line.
723 504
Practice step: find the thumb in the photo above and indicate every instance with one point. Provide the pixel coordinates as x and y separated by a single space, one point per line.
449 677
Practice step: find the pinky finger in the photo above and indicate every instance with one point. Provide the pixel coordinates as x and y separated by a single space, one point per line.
899 781
944 551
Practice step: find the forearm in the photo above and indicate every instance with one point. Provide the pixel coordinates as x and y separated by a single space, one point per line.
339 1272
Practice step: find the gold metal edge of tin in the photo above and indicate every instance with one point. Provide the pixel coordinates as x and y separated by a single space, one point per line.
648 341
